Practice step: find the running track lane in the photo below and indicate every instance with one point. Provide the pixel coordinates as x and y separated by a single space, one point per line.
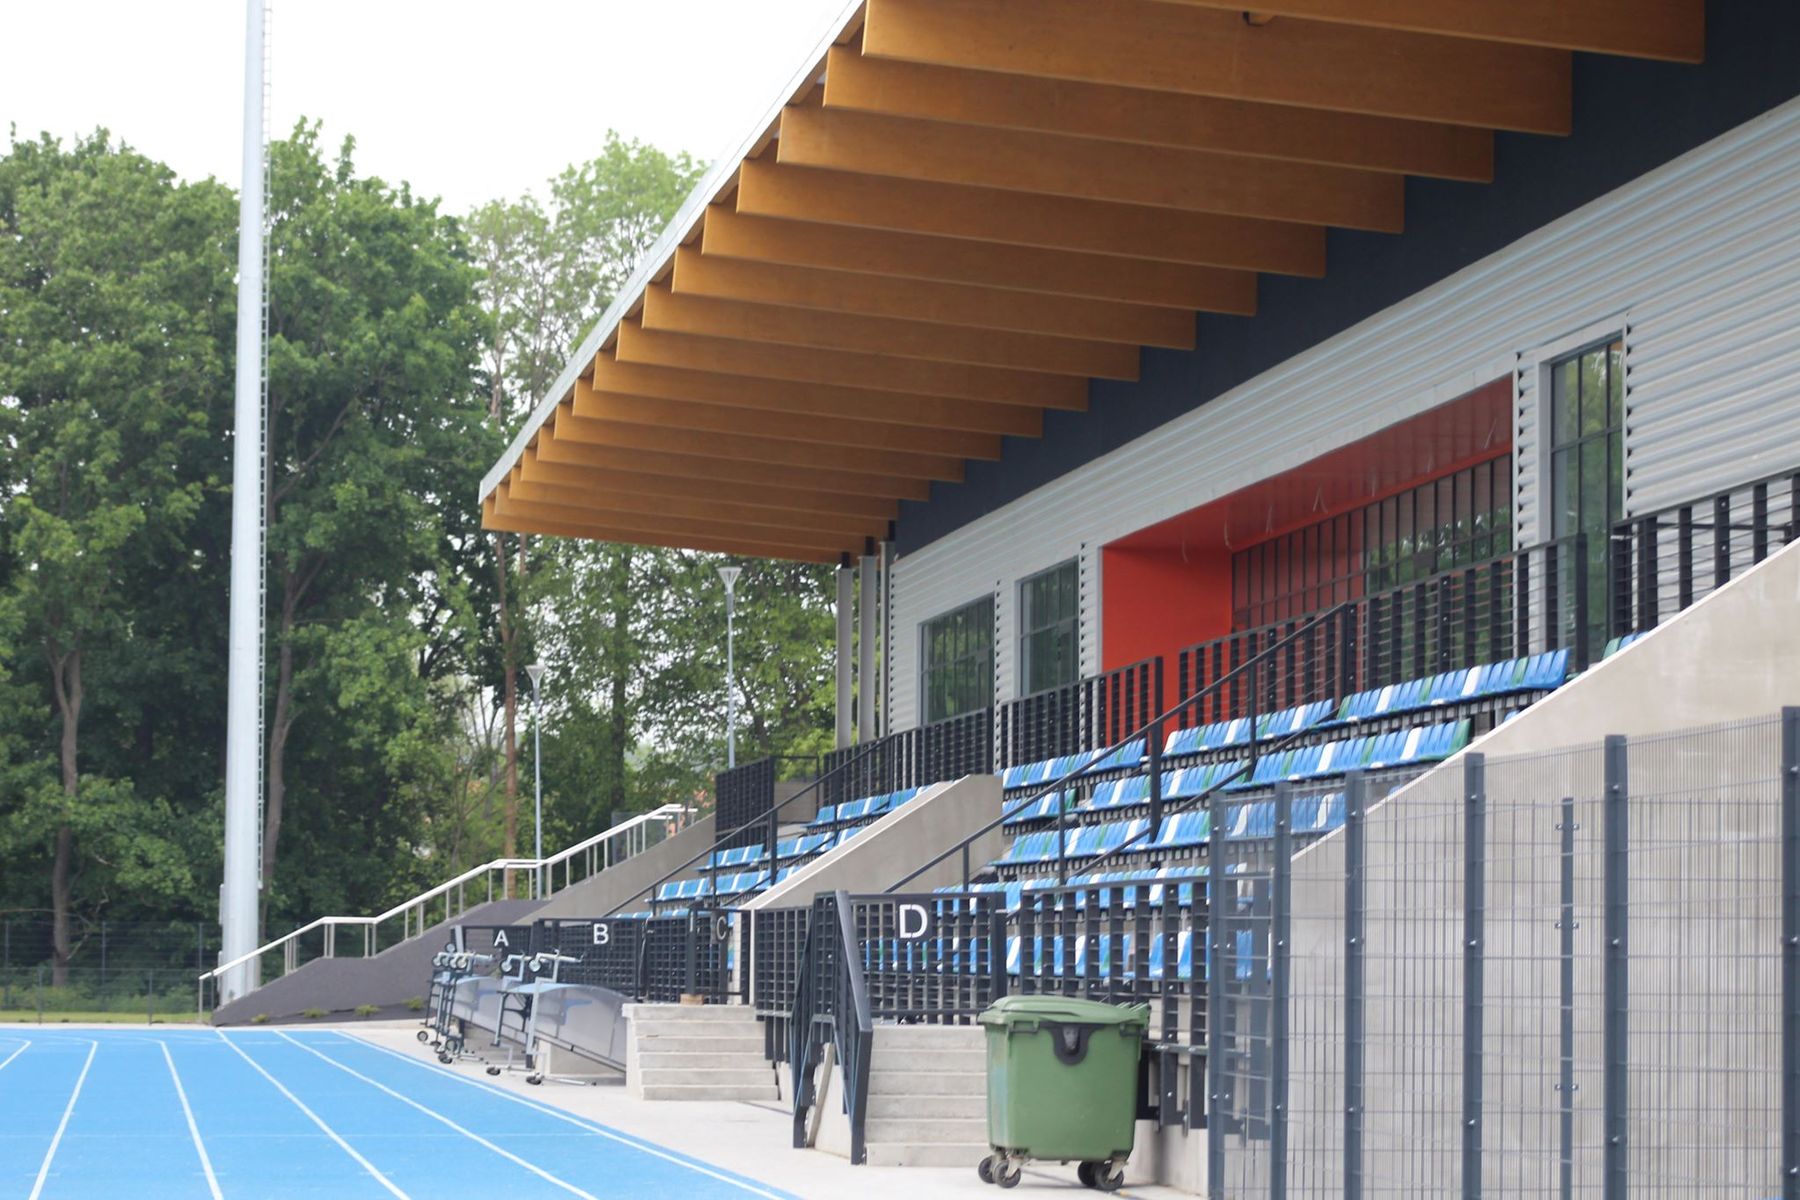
316 1114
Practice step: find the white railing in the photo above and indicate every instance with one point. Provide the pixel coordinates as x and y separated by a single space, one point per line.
451 898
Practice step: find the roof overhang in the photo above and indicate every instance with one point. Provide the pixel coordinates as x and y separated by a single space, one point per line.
959 212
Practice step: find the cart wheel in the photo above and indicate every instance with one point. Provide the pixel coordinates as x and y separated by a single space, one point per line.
493 1070
445 1057
1085 1173
1108 1178
424 1035
534 1079
1007 1174
453 1045
985 1169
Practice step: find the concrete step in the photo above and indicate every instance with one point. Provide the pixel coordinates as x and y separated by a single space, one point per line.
666 1060
923 1130
884 1082
701 1091
707 1075
684 1040
950 1062
940 1154
912 1039
959 1106
687 1013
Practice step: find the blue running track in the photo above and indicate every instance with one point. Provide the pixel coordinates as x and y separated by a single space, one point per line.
267 1114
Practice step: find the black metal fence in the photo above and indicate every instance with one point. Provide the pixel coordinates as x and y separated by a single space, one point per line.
655 960
113 966
948 749
1085 715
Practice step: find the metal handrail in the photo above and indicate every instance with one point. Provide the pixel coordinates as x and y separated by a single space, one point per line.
1154 724
442 889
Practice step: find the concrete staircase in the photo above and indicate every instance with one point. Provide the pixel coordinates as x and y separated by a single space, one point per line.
927 1097
696 1052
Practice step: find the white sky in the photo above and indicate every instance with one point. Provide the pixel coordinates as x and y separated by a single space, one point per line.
466 100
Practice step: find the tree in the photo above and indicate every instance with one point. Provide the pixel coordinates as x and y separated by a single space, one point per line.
371 429
113 288
547 274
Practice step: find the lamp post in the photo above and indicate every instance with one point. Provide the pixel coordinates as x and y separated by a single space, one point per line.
535 673
729 575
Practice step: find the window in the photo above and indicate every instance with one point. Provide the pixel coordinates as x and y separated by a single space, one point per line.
1050 629
1587 465
958 657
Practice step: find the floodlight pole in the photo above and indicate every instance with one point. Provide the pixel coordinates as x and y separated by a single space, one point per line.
535 673
244 717
730 576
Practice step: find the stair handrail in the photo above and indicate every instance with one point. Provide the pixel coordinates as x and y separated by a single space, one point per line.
852 1026
662 812
769 818
1152 752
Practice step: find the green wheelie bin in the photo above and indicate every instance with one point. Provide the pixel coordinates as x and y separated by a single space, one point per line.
1062 1080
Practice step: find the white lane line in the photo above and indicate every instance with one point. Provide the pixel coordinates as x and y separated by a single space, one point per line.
331 1133
37 1189
212 1181
635 1144
471 1135
22 1048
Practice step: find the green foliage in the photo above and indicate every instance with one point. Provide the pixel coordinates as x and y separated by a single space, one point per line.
312 1014
367 1010
260 1019
415 1004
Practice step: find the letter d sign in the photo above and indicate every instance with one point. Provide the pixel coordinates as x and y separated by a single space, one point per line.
913 921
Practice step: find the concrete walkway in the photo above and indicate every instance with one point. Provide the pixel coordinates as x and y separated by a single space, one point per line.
752 1139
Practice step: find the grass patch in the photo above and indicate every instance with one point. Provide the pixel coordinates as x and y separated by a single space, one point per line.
29 1016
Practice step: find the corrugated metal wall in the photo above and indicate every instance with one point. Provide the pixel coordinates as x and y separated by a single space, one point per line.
1701 256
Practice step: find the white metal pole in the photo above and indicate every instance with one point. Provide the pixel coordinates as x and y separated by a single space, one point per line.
846 653
537 785
243 745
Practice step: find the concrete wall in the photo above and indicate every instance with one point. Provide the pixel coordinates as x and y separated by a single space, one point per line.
875 859
621 885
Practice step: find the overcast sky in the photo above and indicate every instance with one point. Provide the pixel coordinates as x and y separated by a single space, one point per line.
466 100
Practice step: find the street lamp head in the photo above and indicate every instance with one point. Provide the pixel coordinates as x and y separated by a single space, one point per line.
534 672
730 577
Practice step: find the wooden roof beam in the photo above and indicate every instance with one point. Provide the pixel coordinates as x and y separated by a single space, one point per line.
814 399
523 517
1208 52
877 371
1091 169
680 465
797 499
683 313
954 260
616 500
1672 30
591 405
774 451
1169 119
950 304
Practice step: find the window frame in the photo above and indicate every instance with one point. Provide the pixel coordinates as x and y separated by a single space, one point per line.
958 660
1027 631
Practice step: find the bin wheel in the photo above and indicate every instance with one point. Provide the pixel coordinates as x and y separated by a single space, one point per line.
1108 1178
534 1078
424 1035
493 1070
985 1169
1085 1173
1007 1174
444 1057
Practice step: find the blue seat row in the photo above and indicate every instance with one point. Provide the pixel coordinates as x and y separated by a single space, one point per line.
1221 735
1183 784
727 885
1048 770
1052 955
1531 673
865 808
804 846
1043 808
1400 748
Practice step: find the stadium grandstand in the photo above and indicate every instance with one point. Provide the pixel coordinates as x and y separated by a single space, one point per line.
1312 492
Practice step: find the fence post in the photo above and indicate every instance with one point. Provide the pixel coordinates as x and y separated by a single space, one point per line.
1790 953
1355 980
150 997
1721 540
1210 959
1153 753
1474 951
1279 937
1566 1081
1615 1029
1580 636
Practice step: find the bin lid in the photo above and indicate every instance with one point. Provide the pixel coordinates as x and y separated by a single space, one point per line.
1065 1010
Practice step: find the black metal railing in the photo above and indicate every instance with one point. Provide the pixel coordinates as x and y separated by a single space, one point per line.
947 749
778 950
831 1005
655 960
1078 716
